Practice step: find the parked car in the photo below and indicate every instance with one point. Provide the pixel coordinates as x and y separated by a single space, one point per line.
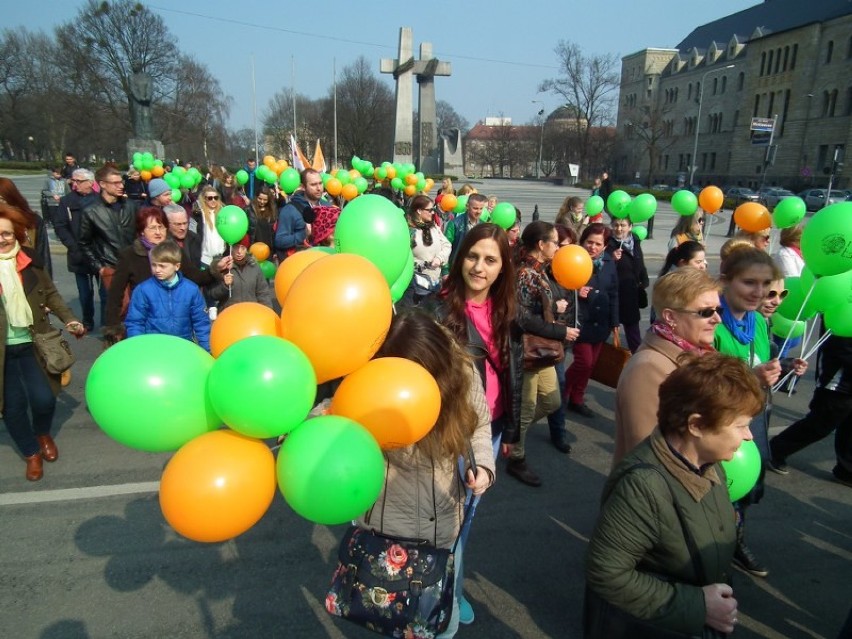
663 187
815 198
636 186
742 194
770 197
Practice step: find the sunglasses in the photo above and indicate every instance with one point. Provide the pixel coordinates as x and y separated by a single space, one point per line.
210 198
779 294
704 313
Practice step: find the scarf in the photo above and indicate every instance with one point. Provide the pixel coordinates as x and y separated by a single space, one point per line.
663 330
426 230
147 244
627 243
742 330
597 263
18 311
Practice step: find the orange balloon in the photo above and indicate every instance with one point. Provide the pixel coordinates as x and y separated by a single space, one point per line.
291 268
752 217
429 184
572 266
376 174
448 202
333 187
145 175
269 160
391 170
260 250
411 179
349 192
354 173
217 486
397 400
157 171
338 312
281 166
711 199
239 321
410 189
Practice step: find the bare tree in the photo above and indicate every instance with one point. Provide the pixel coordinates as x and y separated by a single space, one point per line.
656 134
365 112
588 85
448 118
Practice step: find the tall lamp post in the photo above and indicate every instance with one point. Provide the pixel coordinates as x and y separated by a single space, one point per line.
698 119
540 137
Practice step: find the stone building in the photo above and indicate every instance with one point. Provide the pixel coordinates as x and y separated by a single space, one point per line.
786 60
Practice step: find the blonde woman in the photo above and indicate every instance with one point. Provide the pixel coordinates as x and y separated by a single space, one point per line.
204 212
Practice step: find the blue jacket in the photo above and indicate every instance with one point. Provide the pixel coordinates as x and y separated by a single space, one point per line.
291 231
179 311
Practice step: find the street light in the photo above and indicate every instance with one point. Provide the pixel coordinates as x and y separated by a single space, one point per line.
698 119
540 137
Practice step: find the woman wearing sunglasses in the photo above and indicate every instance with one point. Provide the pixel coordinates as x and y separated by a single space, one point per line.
747 275
686 303
204 212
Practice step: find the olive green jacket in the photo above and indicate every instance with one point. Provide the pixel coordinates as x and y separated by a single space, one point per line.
638 538
41 293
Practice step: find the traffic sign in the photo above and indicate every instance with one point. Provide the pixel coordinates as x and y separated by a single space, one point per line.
762 124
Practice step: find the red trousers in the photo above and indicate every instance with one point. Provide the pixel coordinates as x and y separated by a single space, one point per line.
578 373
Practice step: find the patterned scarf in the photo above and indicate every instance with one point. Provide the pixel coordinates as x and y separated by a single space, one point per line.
663 330
18 311
742 330
426 229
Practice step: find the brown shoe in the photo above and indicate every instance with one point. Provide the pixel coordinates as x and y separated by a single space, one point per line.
49 451
518 469
35 468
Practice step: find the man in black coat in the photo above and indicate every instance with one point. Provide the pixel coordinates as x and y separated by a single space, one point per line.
188 240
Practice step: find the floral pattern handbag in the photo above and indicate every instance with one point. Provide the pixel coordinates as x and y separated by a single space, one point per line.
397 587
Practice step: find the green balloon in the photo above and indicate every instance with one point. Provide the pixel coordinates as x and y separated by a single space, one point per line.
187 181
838 319
641 232
401 285
290 180
172 180
742 471
179 171
594 205
827 240
685 202
485 216
832 290
325 178
642 208
343 177
373 227
275 374
268 269
354 162
158 163
330 469
397 183
137 159
791 305
232 223
367 170
617 203
361 184
504 215
789 212
421 185
149 392
382 173
461 204
784 327
241 177
177 195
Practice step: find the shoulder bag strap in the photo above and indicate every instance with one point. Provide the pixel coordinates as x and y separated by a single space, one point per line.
616 340
468 510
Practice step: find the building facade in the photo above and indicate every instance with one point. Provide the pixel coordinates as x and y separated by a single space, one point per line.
686 114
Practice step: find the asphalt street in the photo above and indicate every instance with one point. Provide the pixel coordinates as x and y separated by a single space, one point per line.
86 553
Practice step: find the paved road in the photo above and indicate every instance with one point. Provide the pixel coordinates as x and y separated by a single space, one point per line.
86 553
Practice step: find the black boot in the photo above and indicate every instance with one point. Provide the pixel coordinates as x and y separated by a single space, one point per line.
518 469
744 558
559 439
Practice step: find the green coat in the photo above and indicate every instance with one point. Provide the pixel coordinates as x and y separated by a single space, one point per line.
41 292
638 533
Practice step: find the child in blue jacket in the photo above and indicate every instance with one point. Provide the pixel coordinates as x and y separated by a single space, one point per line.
168 303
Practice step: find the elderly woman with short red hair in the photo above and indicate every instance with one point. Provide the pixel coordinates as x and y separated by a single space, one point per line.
28 402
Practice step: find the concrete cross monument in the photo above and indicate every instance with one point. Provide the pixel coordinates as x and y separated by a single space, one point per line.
425 69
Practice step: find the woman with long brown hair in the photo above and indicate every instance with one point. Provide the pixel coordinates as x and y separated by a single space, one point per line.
36 228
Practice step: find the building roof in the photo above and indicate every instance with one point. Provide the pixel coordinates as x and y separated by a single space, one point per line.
772 15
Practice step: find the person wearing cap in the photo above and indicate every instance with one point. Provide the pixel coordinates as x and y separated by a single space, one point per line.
243 281
322 230
159 193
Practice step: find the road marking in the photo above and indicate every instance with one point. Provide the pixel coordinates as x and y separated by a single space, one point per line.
70 494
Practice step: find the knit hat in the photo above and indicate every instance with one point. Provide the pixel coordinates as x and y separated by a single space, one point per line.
157 187
323 226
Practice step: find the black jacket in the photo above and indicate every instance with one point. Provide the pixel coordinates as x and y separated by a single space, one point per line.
67 226
632 276
599 311
834 364
104 232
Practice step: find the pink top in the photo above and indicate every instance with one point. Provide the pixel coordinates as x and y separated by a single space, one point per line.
480 315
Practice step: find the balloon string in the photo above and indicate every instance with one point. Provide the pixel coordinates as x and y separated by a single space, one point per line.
231 253
576 309
709 228
799 314
810 353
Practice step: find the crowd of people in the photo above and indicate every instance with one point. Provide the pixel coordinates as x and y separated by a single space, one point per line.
697 386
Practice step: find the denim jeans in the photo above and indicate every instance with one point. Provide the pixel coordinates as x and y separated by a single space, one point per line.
86 293
25 390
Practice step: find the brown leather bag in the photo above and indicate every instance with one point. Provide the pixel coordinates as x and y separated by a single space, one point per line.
542 352
611 362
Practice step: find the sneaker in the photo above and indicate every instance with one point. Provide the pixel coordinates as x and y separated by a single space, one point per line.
778 466
744 559
466 615
842 476
560 443
518 469
581 409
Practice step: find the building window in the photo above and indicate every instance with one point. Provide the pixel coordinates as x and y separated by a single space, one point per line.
680 161
736 117
715 86
793 58
771 104
703 161
849 101
720 121
822 156
849 49
724 82
740 81
829 51
697 90
713 161
784 112
756 105
762 62
826 98
769 63
786 56
689 91
778 60
832 103
675 94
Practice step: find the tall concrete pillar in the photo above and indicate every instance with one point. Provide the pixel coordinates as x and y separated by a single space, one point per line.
402 68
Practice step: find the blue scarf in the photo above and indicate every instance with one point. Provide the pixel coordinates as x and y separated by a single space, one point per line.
742 330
